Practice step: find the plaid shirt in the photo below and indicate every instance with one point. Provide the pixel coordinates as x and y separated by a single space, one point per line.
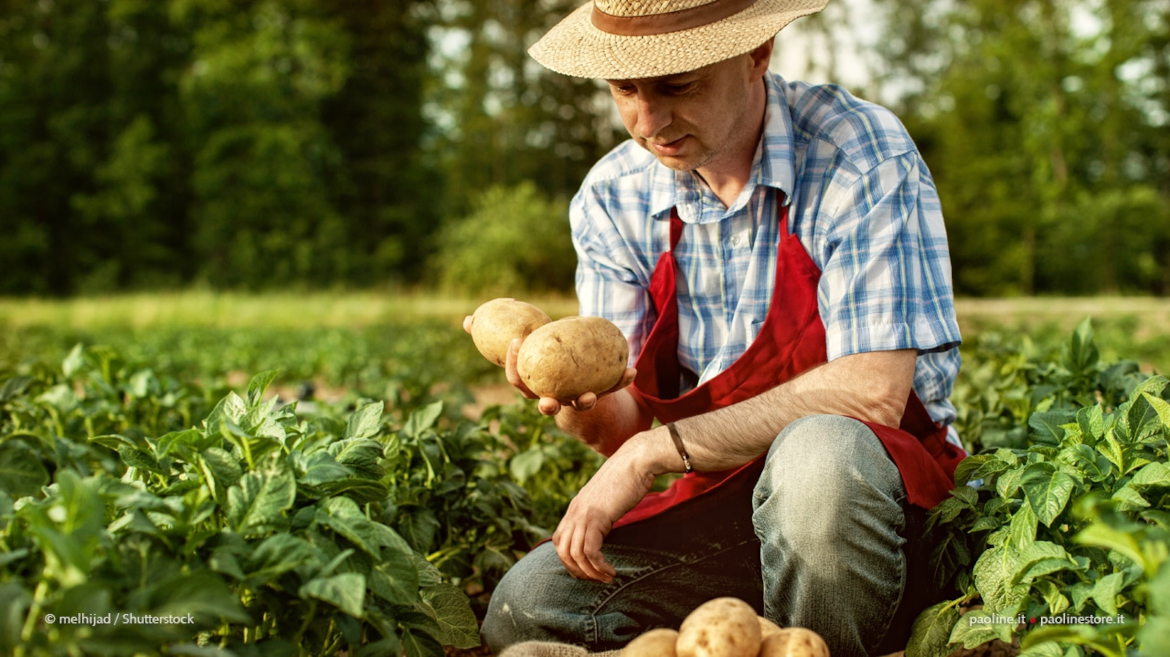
861 201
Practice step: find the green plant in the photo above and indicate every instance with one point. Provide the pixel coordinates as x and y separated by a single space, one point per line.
515 240
1069 521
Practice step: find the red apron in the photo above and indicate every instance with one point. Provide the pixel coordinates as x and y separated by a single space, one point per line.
791 341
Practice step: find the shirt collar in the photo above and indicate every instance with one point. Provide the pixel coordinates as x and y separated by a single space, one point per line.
774 165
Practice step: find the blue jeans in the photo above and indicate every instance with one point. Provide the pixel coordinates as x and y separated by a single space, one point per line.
827 541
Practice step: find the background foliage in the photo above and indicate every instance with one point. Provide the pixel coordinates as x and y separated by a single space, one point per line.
323 144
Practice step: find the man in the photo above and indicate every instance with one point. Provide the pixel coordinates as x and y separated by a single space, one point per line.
775 254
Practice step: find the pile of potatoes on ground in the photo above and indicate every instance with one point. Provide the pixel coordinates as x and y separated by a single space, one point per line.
562 359
727 627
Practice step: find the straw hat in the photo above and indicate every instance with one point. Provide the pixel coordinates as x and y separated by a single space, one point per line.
628 39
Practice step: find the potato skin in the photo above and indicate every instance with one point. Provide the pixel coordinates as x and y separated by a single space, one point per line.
499 321
655 643
723 627
794 642
571 356
767 627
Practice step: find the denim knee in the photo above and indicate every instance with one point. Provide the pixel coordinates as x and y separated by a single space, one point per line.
819 471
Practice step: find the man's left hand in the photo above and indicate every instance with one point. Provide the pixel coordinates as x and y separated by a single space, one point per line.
615 489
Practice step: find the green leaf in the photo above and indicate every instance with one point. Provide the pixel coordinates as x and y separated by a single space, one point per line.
257 504
451 610
114 441
14 600
1047 489
137 458
526 464
418 526
420 644
258 385
276 555
395 580
190 438
346 591
361 455
220 470
366 421
1009 482
74 361
1130 498
21 470
1153 474
318 468
1045 649
1024 523
202 593
343 516
978 627
1161 407
1047 427
422 419
1106 590
1101 535
931 632
1092 421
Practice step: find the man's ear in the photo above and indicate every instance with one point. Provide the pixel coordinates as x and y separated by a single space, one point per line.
761 57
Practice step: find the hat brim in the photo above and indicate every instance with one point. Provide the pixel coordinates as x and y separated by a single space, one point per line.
575 47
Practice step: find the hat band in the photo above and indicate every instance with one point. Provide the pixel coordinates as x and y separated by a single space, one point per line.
683 19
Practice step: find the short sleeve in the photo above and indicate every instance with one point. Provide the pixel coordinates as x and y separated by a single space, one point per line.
886 281
610 282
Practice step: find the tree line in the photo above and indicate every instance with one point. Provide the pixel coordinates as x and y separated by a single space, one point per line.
259 144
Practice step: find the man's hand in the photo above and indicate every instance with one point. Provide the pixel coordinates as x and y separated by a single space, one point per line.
615 489
551 405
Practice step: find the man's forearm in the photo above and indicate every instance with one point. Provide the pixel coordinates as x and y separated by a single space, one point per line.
872 387
611 421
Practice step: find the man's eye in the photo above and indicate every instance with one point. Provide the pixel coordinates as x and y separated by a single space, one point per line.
678 88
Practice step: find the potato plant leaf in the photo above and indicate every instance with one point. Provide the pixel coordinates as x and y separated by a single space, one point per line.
21 471
452 612
977 627
1048 490
257 503
930 635
366 421
259 384
346 591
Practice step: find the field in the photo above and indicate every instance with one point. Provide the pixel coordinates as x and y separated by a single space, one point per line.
322 473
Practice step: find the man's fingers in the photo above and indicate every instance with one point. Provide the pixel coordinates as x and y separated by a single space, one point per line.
562 539
593 541
512 374
582 558
548 406
585 402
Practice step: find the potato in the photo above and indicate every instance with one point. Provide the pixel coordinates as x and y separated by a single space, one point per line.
794 642
499 321
767 627
655 643
572 356
723 627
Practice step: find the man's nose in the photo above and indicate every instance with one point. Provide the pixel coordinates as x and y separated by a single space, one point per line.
653 116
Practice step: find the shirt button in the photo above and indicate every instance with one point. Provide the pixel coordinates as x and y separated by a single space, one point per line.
735 240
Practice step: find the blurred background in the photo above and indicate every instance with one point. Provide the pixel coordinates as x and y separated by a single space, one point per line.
150 145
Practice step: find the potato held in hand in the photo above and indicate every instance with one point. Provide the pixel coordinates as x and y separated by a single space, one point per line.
572 356
499 321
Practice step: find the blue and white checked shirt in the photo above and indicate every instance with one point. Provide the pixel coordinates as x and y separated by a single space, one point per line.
861 202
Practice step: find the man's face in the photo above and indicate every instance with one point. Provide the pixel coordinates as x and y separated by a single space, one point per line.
691 120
